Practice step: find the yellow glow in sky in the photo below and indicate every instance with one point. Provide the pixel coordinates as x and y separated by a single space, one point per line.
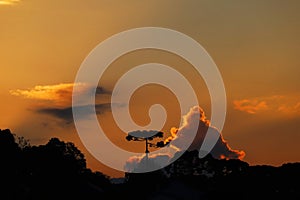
8 2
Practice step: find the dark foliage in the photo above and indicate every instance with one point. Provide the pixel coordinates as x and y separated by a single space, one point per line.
190 177
57 170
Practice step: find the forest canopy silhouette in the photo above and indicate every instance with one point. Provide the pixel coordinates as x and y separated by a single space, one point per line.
58 170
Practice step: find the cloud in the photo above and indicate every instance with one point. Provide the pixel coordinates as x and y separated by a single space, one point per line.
66 113
250 106
180 135
9 2
221 148
58 94
141 163
56 100
289 105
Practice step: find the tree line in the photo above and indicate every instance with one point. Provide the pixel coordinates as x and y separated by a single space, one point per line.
57 170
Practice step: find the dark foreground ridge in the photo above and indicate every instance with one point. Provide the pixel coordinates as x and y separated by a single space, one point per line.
57 170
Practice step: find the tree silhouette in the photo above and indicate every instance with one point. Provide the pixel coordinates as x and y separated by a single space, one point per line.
9 164
69 156
22 142
55 170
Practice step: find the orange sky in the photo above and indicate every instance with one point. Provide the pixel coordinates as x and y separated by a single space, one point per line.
255 44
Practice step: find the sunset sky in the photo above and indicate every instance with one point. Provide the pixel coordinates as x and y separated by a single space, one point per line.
254 43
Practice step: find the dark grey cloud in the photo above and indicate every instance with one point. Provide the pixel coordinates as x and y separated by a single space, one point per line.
101 90
66 114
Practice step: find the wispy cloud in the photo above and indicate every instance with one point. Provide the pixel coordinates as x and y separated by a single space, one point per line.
9 2
58 94
250 105
56 100
283 104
